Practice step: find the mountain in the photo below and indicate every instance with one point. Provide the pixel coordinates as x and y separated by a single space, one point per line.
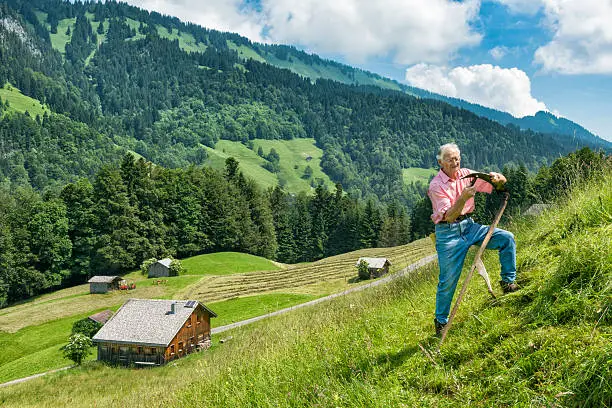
314 67
150 84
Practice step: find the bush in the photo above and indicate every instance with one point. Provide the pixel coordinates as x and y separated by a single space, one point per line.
86 327
78 348
363 271
176 267
144 267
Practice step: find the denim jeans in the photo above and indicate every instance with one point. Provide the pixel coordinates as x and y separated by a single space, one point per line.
452 244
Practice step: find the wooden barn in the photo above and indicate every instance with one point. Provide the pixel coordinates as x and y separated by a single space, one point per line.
102 284
154 332
376 266
160 269
101 317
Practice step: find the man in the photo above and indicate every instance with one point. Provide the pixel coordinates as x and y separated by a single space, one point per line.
452 199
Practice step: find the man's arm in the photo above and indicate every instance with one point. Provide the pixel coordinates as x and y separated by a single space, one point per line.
455 210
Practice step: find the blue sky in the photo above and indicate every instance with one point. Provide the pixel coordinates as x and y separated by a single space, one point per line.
519 56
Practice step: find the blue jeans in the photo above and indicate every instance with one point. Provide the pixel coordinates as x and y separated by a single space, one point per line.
452 244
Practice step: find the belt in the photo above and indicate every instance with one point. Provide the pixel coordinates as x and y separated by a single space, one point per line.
458 219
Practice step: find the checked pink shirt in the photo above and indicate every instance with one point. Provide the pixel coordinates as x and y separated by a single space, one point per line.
444 192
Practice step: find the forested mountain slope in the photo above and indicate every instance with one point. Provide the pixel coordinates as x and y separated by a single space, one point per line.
164 89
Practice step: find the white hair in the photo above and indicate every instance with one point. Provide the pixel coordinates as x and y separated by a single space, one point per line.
446 147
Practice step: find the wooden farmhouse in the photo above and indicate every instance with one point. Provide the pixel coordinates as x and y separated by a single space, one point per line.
160 268
376 266
154 332
102 284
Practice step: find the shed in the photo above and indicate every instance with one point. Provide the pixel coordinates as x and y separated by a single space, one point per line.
102 284
160 268
376 266
154 332
101 317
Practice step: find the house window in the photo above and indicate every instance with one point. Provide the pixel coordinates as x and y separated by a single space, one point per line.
139 350
180 346
197 319
172 349
189 322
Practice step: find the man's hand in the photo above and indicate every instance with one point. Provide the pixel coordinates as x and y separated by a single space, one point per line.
467 193
497 179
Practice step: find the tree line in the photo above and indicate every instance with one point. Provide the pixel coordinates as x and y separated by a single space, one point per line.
136 210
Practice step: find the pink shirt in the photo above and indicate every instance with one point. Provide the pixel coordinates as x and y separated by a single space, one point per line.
444 192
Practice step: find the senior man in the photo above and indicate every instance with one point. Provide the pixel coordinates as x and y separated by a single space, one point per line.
452 199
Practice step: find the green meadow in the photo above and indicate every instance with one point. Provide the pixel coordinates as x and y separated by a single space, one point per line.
21 103
294 154
226 263
235 286
546 345
416 174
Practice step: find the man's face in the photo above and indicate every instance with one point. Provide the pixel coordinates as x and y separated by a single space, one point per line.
451 162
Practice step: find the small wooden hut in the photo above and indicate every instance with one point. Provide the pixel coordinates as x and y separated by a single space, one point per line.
102 284
376 266
101 317
160 269
154 332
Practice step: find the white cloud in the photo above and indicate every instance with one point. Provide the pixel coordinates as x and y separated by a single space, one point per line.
582 41
222 15
409 31
504 89
498 52
529 7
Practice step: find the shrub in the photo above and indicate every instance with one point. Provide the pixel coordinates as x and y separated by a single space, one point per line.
363 271
144 267
176 267
86 327
78 348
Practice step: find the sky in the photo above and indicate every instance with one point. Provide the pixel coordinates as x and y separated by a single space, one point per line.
518 56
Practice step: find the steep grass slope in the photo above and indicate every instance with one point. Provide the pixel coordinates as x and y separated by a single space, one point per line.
547 345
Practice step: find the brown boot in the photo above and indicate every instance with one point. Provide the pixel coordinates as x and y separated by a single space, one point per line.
509 287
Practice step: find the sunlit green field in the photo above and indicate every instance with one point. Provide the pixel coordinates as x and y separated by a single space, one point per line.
414 174
294 154
226 263
60 39
20 102
546 345
235 286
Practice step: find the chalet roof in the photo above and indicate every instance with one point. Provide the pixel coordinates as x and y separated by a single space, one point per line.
104 279
147 321
374 262
166 262
102 317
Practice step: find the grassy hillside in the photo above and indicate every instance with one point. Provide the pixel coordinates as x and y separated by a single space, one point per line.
20 102
546 345
226 263
414 174
236 286
294 154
